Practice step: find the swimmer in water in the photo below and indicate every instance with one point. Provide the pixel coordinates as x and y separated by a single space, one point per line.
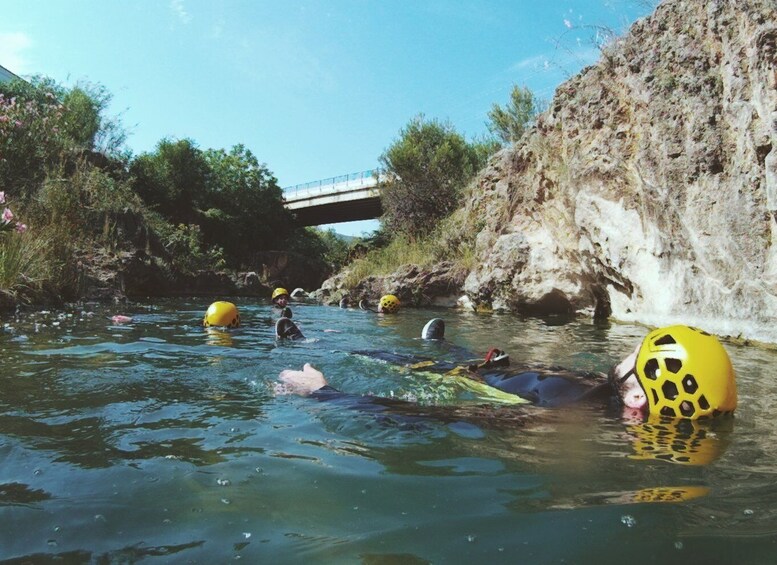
224 315
676 372
280 300
388 304
221 314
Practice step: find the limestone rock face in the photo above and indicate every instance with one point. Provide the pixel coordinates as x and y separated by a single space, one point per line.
648 190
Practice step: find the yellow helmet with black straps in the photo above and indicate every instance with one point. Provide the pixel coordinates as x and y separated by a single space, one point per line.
686 373
389 304
222 314
280 291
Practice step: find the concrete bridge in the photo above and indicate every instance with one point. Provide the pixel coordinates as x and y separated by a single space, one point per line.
338 199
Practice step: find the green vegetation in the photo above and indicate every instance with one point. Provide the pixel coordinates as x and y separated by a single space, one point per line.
446 242
428 166
232 200
509 122
64 166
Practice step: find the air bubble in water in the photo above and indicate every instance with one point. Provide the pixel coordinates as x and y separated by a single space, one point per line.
748 512
223 482
471 538
628 521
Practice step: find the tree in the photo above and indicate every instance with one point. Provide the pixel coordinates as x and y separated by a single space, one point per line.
509 123
427 168
243 209
173 179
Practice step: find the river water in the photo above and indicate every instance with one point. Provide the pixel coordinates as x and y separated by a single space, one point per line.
159 441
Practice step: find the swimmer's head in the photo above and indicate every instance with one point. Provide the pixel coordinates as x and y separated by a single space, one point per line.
682 372
280 296
389 304
223 314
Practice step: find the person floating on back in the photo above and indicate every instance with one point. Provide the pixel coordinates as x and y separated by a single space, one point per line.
675 372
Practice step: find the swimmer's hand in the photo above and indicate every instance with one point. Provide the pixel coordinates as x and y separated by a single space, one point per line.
303 382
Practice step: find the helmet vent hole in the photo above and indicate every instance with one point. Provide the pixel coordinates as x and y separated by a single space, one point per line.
670 390
686 408
665 340
703 403
689 384
668 411
673 365
651 369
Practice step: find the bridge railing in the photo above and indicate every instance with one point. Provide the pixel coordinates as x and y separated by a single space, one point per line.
324 185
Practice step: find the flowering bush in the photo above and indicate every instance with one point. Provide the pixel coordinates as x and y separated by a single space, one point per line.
8 220
30 139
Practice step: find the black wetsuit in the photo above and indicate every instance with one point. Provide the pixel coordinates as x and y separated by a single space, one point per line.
548 386
285 311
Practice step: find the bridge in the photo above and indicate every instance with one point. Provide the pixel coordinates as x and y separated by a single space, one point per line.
338 199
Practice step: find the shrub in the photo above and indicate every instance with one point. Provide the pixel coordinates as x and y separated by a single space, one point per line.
427 167
509 122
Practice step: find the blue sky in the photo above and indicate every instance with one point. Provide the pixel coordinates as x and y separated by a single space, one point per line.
313 88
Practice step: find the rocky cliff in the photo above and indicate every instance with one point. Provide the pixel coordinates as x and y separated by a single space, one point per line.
648 190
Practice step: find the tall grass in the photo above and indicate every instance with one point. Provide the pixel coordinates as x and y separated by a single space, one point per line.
25 264
450 242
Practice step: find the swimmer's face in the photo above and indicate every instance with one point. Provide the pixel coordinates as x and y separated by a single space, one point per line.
282 300
624 381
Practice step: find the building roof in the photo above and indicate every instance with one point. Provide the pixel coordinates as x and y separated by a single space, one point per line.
6 75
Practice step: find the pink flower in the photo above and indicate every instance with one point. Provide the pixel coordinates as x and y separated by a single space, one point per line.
2 197
3 118
18 124
7 216
21 228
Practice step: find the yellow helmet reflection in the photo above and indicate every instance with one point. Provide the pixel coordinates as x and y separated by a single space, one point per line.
687 442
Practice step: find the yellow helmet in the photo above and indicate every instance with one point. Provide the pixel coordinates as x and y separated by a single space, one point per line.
222 314
686 373
280 291
687 442
388 304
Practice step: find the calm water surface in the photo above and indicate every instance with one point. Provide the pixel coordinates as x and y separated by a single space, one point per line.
159 441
